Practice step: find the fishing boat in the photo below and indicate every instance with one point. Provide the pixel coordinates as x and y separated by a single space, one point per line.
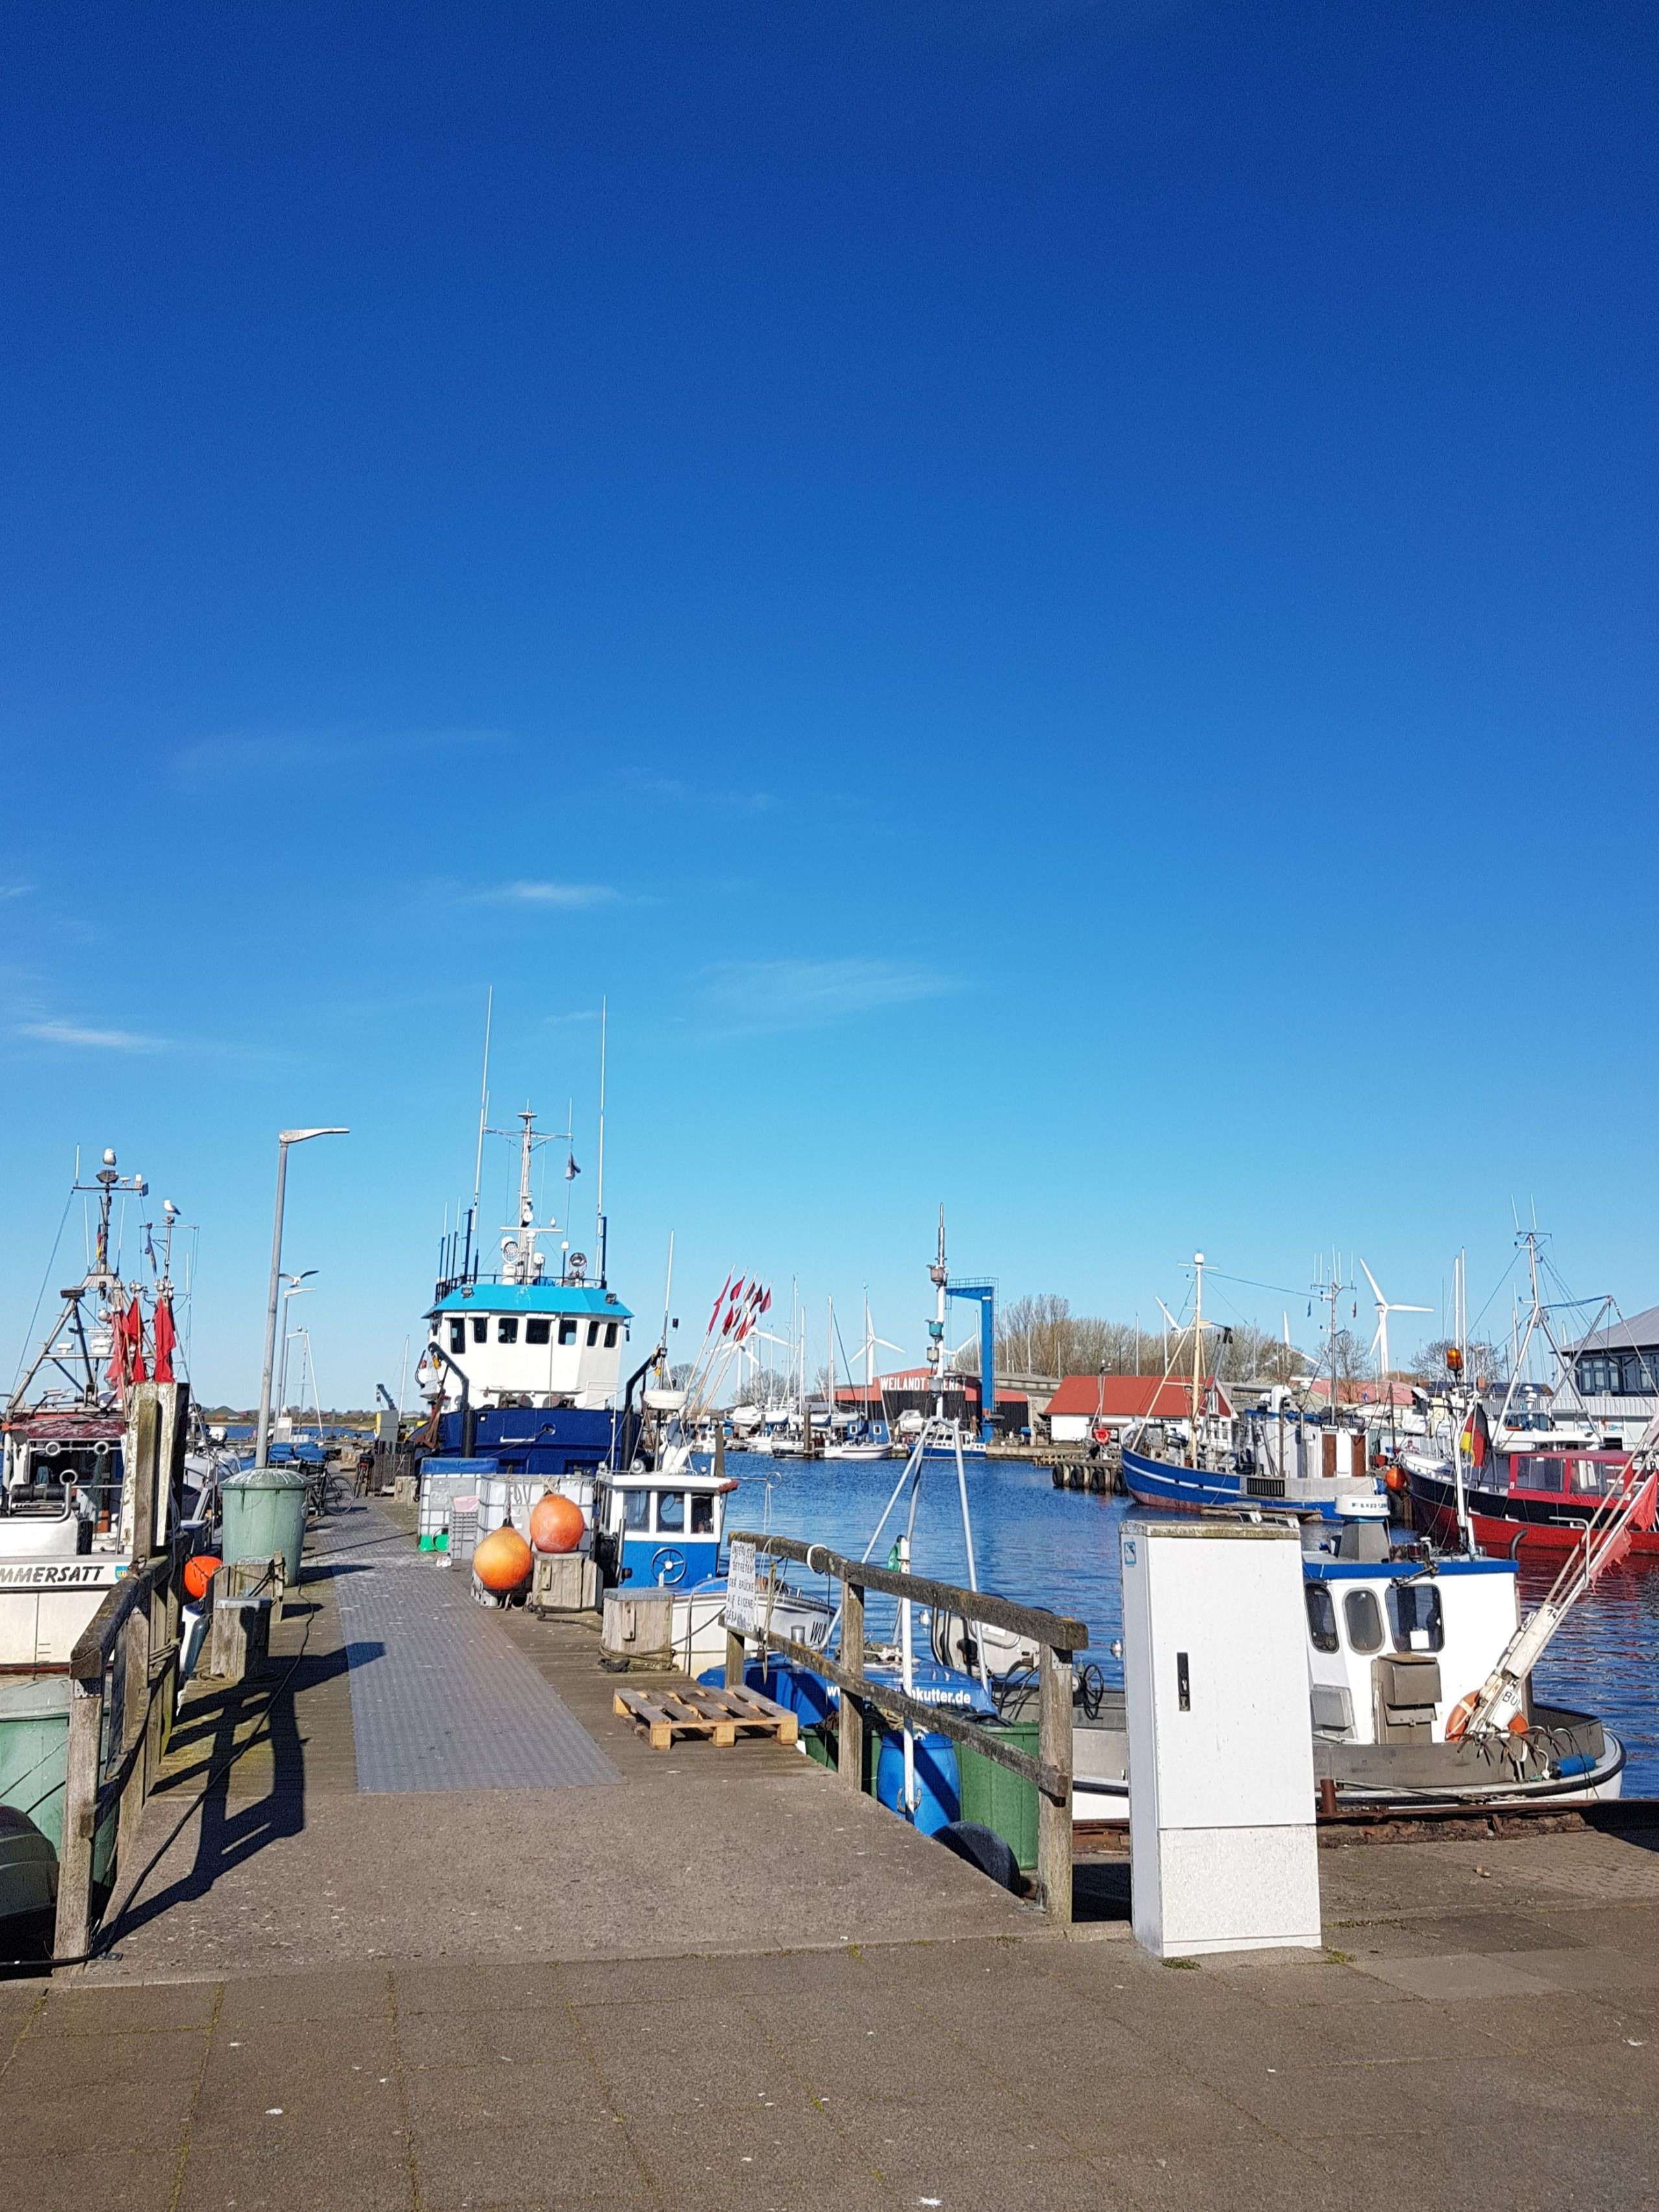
67 1520
1282 1456
1523 1472
522 1364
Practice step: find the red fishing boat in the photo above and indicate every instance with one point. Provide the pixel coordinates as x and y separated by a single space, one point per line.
1521 1503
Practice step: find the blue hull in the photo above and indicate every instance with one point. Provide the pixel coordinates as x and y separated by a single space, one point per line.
529 1441
1201 1490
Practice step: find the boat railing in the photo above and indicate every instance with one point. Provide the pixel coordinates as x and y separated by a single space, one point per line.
1057 1637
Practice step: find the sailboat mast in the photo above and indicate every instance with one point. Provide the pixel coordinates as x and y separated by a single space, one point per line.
1198 1344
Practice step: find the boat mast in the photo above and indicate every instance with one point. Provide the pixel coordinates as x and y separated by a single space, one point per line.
1198 1345
601 1226
940 1277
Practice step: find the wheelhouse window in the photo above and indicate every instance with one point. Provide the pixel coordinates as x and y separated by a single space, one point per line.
537 1332
507 1329
702 1513
592 1332
458 1336
636 1509
480 1329
611 1336
1321 1618
567 1332
670 1512
1364 1619
1414 1613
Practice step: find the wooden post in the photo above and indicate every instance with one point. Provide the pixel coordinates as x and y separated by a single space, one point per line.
85 1735
849 1757
736 1653
1054 1805
135 1722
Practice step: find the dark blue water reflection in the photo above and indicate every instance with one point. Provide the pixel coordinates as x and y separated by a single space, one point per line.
1059 1548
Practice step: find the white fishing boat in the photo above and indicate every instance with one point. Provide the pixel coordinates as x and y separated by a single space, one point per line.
68 1518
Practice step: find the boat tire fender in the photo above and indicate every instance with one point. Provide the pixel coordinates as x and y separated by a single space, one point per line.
982 1848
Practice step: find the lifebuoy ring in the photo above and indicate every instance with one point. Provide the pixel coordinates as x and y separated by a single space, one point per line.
1458 1719
1102 1434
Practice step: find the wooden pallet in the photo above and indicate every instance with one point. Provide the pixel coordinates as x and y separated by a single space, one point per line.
699 1710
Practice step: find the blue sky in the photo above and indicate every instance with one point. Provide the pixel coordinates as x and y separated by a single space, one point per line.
1055 601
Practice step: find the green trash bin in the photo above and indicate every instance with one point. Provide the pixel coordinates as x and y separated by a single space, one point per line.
1000 1801
263 1513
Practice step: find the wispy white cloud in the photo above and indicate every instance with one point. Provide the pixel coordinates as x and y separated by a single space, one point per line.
566 896
257 756
73 1034
787 994
16 891
583 1014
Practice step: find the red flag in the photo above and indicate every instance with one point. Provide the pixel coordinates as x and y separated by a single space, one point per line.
166 1336
737 1290
136 1338
117 1353
766 1302
719 1301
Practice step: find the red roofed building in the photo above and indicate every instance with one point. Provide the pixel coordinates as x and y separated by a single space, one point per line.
1086 1402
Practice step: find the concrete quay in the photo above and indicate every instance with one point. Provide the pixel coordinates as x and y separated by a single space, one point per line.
715 1979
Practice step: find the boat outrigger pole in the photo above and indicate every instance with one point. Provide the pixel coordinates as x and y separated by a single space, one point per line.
1500 1701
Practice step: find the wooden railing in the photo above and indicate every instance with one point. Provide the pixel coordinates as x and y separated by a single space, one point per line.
122 1676
123 1668
1056 1637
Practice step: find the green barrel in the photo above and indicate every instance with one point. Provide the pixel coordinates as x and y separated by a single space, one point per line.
263 1513
1000 1801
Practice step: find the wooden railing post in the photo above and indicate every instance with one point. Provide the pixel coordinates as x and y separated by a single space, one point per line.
735 1657
135 1650
86 1736
1055 1790
849 1755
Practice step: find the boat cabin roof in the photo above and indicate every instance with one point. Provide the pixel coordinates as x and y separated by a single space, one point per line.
1374 1570
688 1478
533 1298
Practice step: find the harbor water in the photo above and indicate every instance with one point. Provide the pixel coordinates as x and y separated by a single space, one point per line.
1059 1548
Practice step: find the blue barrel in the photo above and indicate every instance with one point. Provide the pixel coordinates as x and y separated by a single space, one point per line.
938 1790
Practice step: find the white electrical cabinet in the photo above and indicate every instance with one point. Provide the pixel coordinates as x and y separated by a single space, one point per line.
1221 1782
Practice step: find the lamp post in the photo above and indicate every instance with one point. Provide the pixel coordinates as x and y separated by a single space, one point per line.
262 1442
295 1289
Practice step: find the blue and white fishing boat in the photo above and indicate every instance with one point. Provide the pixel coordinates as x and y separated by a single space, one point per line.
1280 1456
522 1366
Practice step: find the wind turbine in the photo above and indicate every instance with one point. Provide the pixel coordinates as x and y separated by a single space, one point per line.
1384 1308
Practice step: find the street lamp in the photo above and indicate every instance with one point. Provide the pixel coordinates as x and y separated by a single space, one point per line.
296 1288
287 1137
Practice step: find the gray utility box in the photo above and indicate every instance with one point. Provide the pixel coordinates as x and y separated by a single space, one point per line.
1221 1782
638 1631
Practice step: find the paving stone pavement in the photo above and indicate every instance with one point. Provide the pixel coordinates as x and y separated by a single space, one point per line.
719 1981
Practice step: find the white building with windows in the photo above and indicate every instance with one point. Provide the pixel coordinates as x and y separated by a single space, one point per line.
1617 1371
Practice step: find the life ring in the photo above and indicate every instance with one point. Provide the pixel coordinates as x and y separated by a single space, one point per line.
1458 1719
1103 1433
668 1565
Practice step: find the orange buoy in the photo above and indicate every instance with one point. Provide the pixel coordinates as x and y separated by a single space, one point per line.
555 1524
198 1573
502 1561
1395 1478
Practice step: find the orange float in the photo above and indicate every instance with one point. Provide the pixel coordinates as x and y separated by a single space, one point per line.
555 1524
198 1573
502 1561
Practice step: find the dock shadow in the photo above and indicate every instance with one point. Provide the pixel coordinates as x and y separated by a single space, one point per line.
229 1835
